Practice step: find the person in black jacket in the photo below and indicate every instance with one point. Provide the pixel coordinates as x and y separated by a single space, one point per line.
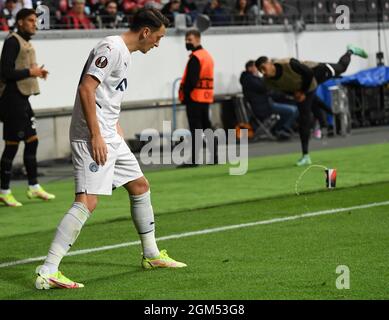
257 94
197 93
19 73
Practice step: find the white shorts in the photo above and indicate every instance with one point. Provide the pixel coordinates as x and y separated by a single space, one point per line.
121 167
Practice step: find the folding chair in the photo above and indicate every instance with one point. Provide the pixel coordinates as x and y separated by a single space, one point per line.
263 128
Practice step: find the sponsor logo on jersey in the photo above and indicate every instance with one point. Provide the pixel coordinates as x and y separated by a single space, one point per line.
101 62
122 85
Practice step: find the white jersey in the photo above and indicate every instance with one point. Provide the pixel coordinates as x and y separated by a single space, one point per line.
108 62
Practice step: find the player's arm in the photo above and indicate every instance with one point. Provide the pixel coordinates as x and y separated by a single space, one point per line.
87 91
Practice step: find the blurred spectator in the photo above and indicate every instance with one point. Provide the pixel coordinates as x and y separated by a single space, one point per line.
8 14
272 7
190 8
131 6
153 4
172 8
76 17
110 17
61 9
97 6
20 4
217 14
245 13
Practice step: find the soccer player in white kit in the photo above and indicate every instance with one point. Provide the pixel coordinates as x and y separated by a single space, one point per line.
101 158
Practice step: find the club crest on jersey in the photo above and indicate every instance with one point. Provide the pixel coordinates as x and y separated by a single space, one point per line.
101 62
93 167
122 85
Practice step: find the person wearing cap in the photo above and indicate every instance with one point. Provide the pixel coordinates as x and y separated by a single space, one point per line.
19 72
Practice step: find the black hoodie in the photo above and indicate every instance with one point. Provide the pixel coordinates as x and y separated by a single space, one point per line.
255 92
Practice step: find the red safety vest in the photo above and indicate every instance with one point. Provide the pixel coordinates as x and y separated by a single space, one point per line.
203 92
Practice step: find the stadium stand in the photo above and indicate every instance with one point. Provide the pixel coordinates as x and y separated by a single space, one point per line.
270 12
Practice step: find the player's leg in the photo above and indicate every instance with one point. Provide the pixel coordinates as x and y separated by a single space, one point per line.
305 122
128 174
91 181
29 156
143 217
357 51
194 115
13 133
320 116
326 71
10 150
206 124
342 65
35 190
66 234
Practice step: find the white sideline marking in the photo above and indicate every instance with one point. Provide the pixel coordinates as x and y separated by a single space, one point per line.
205 231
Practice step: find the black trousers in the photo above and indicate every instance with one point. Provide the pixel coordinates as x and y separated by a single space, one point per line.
323 72
198 118
305 121
19 125
17 115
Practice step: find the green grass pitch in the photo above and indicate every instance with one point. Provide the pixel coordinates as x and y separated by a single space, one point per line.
285 259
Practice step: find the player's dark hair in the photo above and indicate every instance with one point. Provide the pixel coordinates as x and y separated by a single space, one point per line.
24 13
260 61
193 32
148 17
249 64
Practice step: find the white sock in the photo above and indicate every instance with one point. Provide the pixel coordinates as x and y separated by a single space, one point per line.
143 217
3 191
67 232
34 186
